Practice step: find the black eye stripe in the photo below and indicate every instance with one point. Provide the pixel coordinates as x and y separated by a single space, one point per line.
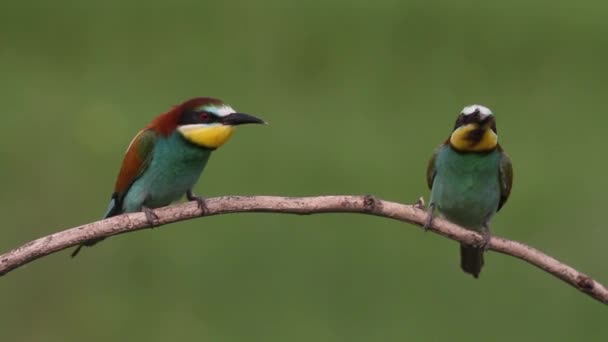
460 121
192 117
464 119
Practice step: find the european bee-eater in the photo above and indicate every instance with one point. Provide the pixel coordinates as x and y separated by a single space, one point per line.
470 178
166 158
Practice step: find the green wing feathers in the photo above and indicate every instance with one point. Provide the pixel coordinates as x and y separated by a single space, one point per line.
505 178
145 146
430 169
136 161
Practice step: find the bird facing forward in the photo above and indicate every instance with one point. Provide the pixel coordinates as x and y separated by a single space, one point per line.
166 158
470 177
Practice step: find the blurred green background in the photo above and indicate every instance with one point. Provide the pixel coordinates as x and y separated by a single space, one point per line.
358 94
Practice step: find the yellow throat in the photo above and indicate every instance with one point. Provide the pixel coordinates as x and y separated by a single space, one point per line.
460 139
207 135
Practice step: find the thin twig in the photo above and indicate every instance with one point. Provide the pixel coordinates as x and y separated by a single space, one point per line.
302 206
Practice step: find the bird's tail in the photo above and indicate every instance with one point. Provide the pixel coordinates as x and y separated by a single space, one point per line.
113 210
471 259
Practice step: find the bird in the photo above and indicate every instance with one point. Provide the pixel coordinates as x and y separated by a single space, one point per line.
165 159
470 177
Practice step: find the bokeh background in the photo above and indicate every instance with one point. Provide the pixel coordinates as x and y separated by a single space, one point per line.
358 94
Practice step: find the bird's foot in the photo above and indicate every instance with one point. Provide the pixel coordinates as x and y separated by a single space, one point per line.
485 244
420 203
430 210
202 205
150 216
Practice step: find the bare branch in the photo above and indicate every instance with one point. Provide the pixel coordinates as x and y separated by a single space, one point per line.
302 206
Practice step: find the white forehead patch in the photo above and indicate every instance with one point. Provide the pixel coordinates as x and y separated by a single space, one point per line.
222 110
225 110
476 108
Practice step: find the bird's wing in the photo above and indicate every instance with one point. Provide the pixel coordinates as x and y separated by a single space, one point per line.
505 178
136 161
430 169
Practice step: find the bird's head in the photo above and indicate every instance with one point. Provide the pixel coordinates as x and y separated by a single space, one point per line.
475 130
209 122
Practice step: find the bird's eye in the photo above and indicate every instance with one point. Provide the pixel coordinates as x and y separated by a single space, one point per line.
204 117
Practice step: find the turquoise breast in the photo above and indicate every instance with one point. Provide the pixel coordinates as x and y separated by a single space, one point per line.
175 168
466 187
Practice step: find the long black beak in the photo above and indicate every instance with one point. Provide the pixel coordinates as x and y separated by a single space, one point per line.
483 120
479 118
235 119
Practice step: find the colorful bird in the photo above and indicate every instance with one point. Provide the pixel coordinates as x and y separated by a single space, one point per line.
165 159
470 177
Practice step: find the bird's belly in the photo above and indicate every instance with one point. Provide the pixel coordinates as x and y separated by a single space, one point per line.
469 206
170 184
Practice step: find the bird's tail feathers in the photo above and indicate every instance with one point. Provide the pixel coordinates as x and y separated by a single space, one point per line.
87 243
115 208
471 259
